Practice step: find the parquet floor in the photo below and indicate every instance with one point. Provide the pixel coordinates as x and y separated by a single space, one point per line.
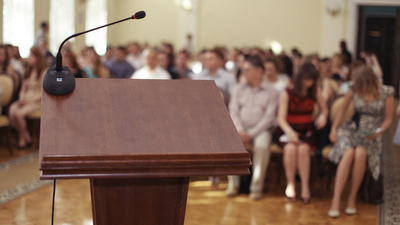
206 204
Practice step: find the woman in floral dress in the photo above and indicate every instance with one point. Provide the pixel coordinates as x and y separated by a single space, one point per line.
359 140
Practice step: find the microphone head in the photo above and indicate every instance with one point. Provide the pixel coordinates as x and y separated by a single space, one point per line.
139 15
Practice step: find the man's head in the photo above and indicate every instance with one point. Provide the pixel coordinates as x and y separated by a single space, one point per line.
150 58
214 59
163 60
253 70
134 48
109 51
181 59
120 53
45 26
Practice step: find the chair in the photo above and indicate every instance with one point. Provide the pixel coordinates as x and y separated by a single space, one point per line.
6 99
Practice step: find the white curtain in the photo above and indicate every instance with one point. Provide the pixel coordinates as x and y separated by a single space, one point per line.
18 24
62 22
96 15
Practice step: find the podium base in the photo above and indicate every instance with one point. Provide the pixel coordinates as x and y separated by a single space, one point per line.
145 201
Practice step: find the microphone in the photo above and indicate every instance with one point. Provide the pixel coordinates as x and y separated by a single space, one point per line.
59 80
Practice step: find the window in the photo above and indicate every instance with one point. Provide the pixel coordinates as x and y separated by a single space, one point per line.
62 22
18 24
96 15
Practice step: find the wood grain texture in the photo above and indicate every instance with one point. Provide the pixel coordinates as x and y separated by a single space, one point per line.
139 128
139 201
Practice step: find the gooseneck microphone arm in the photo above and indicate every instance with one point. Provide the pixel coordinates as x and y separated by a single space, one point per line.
59 80
138 15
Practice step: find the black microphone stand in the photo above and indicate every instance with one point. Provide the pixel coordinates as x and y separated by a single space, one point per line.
60 80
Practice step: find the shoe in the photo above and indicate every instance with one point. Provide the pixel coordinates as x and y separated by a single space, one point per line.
230 192
350 211
305 201
21 147
333 213
291 199
255 195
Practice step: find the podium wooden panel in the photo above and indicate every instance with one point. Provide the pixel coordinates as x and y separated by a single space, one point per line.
139 141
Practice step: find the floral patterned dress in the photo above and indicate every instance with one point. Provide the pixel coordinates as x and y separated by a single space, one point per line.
366 119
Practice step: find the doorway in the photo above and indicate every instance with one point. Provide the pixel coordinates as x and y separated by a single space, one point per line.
377 34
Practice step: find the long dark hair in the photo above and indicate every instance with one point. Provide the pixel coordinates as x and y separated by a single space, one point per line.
306 71
40 63
7 60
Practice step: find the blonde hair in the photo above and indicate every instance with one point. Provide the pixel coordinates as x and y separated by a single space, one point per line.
365 81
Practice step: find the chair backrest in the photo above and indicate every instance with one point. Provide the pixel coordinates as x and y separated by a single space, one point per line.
334 85
8 90
336 106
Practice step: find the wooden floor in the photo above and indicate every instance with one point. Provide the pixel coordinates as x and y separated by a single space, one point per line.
206 204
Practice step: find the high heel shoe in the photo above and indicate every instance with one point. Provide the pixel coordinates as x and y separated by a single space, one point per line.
333 213
305 201
291 199
350 211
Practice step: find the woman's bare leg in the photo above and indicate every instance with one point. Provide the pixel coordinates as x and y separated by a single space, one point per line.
342 174
360 159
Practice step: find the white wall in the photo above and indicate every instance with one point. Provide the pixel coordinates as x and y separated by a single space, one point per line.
233 23
292 23
160 24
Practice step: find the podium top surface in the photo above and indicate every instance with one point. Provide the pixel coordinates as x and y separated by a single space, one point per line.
121 128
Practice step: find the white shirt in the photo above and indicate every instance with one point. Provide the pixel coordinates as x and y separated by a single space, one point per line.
223 79
135 61
146 73
281 83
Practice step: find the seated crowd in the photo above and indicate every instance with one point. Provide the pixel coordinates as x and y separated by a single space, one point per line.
271 99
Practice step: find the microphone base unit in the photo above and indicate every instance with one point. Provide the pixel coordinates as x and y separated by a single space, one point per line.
59 82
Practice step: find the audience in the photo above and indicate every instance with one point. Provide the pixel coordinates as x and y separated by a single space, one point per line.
359 140
69 59
16 64
108 58
151 69
5 66
300 82
119 67
42 33
345 53
253 109
163 62
372 61
213 64
134 56
180 65
29 96
273 74
44 49
344 86
94 68
232 64
339 70
296 129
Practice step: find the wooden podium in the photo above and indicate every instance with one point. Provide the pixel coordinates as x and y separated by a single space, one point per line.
139 141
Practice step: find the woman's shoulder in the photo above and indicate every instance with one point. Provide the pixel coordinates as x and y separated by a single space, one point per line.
387 90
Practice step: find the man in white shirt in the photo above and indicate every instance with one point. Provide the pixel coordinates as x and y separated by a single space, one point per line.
214 61
150 70
253 108
134 56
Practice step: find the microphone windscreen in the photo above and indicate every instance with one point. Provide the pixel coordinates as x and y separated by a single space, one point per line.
140 15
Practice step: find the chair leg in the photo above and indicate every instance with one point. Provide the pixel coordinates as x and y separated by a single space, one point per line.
279 166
